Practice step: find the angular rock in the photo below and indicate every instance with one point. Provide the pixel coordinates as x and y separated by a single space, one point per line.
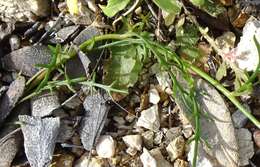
154 96
172 133
148 139
63 160
164 81
14 42
217 130
39 139
158 136
149 119
65 33
245 54
44 104
86 34
180 163
160 160
11 97
147 159
176 148
93 122
105 146
27 10
93 162
246 146
133 141
239 119
67 130
24 60
9 146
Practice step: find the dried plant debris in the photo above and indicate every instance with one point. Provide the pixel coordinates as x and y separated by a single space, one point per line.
9 146
96 111
25 59
11 97
39 139
44 104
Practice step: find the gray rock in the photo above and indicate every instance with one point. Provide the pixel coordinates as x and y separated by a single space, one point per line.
11 97
44 104
9 146
239 119
176 148
86 34
93 122
65 33
67 130
24 59
15 42
39 139
246 146
26 10
172 133
217 130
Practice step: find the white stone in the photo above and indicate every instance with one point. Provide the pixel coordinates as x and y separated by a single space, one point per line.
149 119
106 146
246 146
154 96
147 159
133 141
246 55
176 148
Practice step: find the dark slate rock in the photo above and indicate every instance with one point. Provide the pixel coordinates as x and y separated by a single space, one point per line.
26 58
11 97
39 139
93 122
65 33
86 34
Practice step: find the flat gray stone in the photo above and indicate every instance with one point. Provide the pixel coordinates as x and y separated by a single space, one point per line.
39 139
93 122
44 104
25 59
11 97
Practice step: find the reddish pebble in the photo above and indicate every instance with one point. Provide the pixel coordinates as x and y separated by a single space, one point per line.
257 138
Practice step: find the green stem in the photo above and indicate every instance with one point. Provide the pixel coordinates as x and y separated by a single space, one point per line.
224 91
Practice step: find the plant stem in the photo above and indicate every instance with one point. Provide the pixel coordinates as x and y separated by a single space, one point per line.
224 91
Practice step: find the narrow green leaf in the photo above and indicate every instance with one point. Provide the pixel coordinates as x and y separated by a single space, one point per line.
113 7
170 6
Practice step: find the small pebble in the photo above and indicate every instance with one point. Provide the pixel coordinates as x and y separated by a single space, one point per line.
256 136
131 151
105 147
119 120
15 42
176 148
133 141
154 96
160 160
94 162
